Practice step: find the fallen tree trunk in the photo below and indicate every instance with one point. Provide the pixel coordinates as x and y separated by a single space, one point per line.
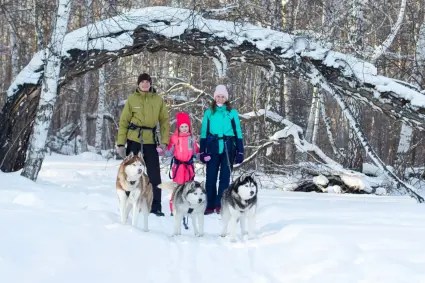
184 31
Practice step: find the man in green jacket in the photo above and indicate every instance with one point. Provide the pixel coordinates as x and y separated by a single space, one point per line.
143 110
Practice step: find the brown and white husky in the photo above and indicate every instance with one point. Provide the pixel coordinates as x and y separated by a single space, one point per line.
134 189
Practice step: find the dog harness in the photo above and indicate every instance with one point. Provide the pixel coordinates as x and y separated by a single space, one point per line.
128 192
144 128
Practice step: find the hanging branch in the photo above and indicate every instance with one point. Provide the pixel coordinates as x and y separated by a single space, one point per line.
389 40
316 76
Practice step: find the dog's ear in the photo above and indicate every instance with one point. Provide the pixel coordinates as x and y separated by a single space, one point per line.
203 184
140 155
131 155
242 177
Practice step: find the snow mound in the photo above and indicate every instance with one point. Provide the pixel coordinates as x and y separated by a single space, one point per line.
320 180
27 199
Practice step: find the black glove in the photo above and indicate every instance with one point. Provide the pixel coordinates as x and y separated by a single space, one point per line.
239 146
239 158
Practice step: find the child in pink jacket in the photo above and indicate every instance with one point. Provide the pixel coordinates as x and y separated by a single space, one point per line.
184 149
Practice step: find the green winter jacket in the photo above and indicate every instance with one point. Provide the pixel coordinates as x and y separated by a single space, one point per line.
221 124
144 109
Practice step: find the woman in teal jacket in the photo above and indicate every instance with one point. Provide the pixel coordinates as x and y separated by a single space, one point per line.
221 145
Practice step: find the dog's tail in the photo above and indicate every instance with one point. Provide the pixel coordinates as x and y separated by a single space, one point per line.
170 186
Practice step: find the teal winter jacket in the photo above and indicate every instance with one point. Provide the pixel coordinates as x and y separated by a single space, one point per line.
222 123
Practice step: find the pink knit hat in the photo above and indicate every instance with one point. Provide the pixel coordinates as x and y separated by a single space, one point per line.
221 89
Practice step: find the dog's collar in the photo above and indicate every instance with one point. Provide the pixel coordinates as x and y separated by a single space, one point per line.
132 183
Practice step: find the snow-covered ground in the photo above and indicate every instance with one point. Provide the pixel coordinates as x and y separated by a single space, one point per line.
65 228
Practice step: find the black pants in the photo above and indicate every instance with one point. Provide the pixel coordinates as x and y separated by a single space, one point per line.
150 155
219 162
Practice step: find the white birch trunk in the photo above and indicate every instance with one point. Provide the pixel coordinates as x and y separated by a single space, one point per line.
289 146
328 127
406 132
100 111
310 121
390 38
316 118
316 77
48 96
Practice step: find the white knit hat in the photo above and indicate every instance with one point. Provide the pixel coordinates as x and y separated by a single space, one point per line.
221 89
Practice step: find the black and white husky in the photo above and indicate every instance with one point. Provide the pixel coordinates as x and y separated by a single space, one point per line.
190 199
239 203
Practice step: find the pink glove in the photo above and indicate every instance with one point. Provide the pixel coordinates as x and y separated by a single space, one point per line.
207 158
160 151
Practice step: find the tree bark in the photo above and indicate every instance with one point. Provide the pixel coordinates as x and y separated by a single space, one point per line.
100 111
198 39
321 81
37 144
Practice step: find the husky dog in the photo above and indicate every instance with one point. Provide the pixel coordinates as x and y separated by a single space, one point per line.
189 198
239 203
133 189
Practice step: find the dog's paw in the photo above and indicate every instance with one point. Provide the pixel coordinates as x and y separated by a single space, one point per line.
232 240
145 230
199 234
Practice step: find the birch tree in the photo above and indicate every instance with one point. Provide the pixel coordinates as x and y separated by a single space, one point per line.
406 132
48 96
100 111
316 76
390 38
88 81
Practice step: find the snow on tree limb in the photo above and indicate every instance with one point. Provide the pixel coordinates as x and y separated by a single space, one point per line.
290 129
187 32
326 164
399 184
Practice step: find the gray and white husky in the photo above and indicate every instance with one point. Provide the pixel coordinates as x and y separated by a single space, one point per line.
190 199
239 203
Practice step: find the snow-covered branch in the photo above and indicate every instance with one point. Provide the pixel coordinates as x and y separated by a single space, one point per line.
337 95
290 129
394 30
187 32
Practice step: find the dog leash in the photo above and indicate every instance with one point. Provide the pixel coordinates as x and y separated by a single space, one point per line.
228 160
186 219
